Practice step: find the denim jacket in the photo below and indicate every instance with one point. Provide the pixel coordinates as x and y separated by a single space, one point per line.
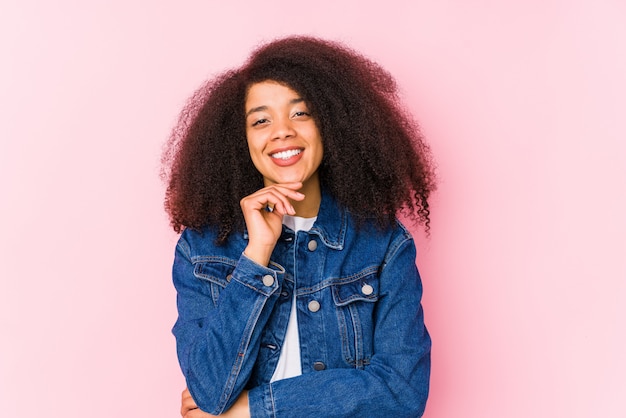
365 351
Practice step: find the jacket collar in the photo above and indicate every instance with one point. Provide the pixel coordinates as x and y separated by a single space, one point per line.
332 223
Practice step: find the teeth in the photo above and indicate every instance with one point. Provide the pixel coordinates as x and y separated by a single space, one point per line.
285 155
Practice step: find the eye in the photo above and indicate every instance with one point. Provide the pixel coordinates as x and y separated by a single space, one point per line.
301 114
258 122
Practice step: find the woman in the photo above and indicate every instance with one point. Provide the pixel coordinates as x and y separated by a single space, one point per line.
298 293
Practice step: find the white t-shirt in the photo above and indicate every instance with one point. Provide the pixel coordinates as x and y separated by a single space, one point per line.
289 360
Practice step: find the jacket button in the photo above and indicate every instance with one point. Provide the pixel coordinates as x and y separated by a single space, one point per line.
229 277
367 289
312 245
314 306
268 280
318 366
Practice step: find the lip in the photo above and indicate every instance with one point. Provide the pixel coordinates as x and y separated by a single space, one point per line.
289 161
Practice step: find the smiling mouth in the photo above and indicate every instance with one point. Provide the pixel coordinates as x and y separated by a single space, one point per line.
285 155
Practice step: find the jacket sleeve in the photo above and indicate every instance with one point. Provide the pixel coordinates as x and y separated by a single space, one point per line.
217 345
396 381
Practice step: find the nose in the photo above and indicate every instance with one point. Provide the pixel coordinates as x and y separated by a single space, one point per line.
283 128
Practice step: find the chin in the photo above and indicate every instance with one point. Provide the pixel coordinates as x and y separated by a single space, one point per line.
288 179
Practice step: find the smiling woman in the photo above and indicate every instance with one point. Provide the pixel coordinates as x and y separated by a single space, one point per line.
298 293
285 144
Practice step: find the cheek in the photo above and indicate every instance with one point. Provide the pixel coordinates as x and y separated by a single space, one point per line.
320 157
320 149
253 145
255 152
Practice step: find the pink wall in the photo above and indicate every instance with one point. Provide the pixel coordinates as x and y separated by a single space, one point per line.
525 272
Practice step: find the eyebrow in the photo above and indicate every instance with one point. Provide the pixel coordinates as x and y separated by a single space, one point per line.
264 108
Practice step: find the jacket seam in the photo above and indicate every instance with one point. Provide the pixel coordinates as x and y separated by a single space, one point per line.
241 354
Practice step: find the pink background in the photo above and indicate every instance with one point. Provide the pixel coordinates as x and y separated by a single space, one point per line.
525 273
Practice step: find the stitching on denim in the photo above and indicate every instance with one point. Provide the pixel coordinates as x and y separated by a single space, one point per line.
184 247
338 281
216 290
198 271
273 411
343 331
324 236
241 353
358 336
357 294
213 259
258 289
280 269
395 246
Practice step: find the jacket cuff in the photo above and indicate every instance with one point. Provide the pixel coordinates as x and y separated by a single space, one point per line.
265 280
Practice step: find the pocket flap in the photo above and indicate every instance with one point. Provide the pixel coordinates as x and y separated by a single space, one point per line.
361 286
218 270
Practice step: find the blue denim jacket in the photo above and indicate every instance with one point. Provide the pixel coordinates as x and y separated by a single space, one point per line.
364 349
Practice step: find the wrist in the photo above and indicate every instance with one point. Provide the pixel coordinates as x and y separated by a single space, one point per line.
260 254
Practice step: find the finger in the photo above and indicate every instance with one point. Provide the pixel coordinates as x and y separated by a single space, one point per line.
295 185
289 190
198 413
185 394
266 202
284 195
189 413
187 406
187 403
268 197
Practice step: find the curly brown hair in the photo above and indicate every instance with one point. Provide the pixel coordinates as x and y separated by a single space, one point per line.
375 161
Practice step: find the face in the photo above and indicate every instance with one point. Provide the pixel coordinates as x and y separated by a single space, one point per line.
283 139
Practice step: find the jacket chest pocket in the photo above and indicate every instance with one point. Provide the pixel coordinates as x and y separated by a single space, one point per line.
355 299
216 272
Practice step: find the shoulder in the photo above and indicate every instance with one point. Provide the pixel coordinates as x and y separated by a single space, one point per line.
369 229
375 241
195 243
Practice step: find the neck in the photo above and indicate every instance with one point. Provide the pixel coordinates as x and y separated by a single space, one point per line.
309 207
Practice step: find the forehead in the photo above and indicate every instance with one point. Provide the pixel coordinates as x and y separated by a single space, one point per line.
269 91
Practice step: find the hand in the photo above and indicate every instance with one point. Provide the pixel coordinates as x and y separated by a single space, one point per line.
263 212
189 409
188 405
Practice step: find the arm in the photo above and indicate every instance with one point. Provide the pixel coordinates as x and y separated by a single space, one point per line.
218 345
396 381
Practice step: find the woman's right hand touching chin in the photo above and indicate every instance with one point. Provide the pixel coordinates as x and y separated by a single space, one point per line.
263 212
